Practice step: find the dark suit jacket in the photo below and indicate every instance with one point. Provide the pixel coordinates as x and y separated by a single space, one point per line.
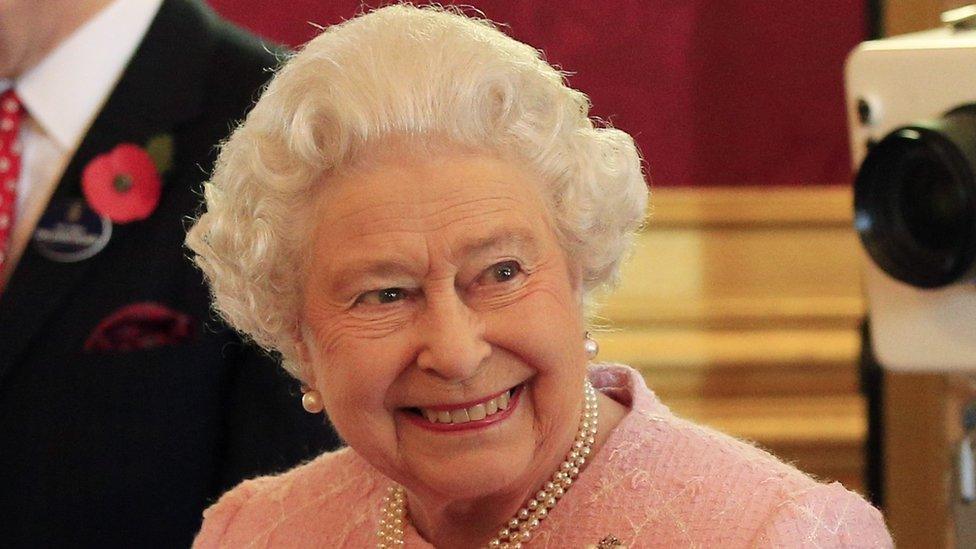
125 449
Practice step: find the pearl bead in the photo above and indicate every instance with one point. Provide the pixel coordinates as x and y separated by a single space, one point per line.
591 348
312 401
523 513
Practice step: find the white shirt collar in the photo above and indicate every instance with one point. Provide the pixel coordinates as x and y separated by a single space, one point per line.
66 90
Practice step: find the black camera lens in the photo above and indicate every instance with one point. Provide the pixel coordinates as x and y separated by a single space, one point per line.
915 201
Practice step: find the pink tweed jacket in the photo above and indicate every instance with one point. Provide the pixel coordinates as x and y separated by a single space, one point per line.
659 481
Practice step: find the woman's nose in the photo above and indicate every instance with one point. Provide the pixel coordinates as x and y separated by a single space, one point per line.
454 346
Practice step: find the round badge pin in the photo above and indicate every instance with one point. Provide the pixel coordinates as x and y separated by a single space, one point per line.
69 231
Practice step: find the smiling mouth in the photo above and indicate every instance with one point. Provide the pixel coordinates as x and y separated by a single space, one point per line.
480 413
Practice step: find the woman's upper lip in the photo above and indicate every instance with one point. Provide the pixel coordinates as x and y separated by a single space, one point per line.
461 405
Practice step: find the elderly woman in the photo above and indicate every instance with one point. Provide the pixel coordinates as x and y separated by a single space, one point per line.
414 216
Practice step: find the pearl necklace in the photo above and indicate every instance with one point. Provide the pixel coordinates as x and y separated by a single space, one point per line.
519 528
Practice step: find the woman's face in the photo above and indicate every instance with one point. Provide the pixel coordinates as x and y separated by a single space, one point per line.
436 289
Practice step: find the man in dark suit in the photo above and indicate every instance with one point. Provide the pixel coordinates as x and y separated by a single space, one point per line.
125 406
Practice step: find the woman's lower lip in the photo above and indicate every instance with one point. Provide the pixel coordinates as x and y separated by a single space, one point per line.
424 423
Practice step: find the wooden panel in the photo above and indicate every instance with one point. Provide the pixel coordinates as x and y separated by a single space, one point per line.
741 307
904 16
788 258
752 206
916 486
723 363
924 427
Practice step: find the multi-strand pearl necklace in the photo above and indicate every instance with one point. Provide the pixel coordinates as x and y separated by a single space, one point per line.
520 527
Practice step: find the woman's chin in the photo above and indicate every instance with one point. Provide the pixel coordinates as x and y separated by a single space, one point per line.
470 479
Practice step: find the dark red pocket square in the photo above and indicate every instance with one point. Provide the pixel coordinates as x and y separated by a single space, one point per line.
140 326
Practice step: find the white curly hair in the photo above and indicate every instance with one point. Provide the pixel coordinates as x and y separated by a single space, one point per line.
427 73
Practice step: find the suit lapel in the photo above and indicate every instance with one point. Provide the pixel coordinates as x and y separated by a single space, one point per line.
161 88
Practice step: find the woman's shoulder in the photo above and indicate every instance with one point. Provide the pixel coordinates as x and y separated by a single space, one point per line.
285 509
753 496
676 476
651 437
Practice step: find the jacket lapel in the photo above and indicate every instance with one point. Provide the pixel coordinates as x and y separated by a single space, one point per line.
161 88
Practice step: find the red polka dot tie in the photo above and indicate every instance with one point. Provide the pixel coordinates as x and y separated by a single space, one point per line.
11 112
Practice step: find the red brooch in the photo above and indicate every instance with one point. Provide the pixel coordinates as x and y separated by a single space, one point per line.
124 184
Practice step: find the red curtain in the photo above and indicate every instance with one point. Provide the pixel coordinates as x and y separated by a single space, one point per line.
742 92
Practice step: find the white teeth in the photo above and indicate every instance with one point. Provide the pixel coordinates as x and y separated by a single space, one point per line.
503 401
474 413
459 416
477 412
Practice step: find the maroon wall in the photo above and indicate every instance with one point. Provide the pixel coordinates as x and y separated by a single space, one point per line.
742 92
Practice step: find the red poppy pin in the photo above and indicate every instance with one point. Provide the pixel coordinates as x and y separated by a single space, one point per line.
124 184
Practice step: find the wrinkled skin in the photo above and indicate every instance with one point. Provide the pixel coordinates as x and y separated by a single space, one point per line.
440 281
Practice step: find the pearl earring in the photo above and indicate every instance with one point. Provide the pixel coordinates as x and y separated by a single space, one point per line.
591 347
311 400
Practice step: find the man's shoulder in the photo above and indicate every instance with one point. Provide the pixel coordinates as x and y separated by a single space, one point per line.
238 52
189 46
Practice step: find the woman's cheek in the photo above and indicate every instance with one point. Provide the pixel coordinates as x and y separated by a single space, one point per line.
354 408
546 308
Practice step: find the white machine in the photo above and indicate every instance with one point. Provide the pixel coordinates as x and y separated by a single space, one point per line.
912 118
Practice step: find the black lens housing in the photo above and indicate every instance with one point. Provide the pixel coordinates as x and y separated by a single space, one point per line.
915 201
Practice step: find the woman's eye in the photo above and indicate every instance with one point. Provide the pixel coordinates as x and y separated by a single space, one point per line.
380 297
501 272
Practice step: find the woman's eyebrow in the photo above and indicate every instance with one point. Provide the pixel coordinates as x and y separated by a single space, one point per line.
350 274
347 276
522 239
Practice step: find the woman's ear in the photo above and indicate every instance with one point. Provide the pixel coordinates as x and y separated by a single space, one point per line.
575 272
304 355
